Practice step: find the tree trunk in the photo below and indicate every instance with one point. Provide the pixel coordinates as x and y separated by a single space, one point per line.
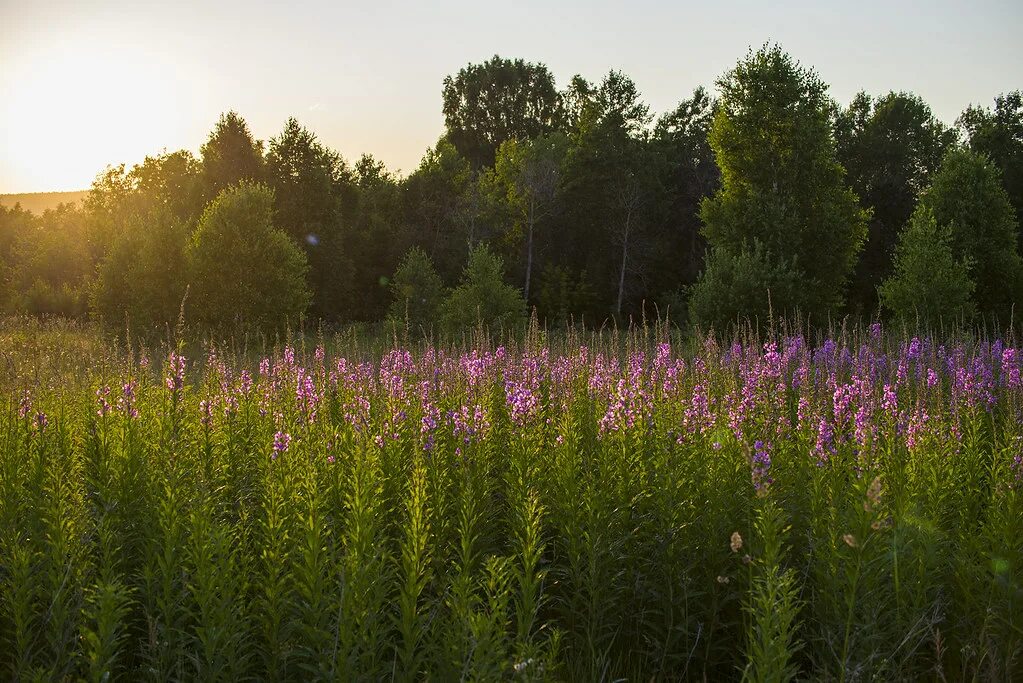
529 251
621 273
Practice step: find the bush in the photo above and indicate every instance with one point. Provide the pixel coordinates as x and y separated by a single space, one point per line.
751 284
142 280
968 198
244 271
483 296
928 282
417 290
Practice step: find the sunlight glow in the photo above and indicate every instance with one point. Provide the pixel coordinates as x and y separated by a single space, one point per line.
72 104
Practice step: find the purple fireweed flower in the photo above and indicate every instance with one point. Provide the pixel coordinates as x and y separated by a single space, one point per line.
1011 368
126 402
175 379
890 401
281 442
41 421
761 466
802 410
428 425
824 448
863 425
244 382
914 349
698 417
306 396
25 405
468 424
206 413
104 407
917 427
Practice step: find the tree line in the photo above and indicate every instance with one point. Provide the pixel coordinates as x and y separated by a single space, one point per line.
576 203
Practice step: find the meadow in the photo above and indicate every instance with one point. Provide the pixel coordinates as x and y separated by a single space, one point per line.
632 506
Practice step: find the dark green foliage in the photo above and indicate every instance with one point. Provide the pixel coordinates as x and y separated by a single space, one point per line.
498 100
999 134
376 237
524 183
563 295
781 183
418 292
49 264
751 284
440 200
308 182
243 270
142 280
600 210
890 148
612 191
16 225
967 197
483 296
928 283
230 155
690 174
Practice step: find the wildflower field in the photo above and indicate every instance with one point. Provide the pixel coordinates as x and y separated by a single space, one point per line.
845 508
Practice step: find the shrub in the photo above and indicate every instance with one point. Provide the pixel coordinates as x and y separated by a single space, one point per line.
483 296
968 198
928 282
748 285
417 290
143 277
243 269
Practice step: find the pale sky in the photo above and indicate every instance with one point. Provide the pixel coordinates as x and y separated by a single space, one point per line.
88 83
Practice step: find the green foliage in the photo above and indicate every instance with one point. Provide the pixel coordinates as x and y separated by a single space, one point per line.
890 146
417 290
440 206
563 295
525 179
781 183
230 155
967 197
376 237
999 135
773 603
498 100
611 191
752 284
483 296
49 263
928 283
690 174
244 271
308 182
142 280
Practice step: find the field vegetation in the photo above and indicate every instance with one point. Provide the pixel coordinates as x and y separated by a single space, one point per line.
571 506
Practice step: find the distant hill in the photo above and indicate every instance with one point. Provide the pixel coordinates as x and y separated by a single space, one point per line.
38 202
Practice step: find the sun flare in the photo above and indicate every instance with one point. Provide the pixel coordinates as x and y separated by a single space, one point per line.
72 108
